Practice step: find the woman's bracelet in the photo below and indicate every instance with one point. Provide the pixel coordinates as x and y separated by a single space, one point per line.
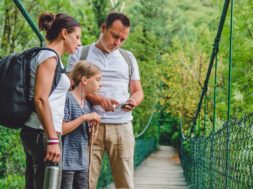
52 141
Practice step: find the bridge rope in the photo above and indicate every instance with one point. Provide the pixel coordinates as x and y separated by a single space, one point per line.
213 56
148 124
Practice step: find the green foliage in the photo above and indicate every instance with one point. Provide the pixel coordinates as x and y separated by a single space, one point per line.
186 62
242 88
12 160
100 9
170 130
12 182
17 35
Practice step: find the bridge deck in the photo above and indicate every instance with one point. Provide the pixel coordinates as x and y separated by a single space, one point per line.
161 170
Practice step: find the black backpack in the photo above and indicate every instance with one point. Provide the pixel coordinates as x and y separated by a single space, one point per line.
15 106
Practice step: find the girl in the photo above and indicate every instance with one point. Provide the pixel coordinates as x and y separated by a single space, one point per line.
40 135
86 78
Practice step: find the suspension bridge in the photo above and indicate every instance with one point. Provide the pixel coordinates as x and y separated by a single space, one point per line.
220 159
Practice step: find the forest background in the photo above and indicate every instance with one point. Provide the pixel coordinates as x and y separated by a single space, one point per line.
172 41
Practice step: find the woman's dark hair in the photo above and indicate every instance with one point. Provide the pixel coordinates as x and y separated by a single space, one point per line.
54 23
113 16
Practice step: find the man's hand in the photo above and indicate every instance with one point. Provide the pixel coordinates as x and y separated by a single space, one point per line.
109 104
53 153
129 105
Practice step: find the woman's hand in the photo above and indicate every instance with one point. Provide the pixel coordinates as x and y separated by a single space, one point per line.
53 153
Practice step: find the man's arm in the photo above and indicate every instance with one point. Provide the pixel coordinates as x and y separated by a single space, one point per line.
94 99
136 91
107 104
136 97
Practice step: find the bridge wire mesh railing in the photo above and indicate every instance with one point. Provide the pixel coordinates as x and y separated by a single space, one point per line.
223 159
204 158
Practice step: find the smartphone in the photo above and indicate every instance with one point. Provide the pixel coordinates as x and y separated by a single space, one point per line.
122 105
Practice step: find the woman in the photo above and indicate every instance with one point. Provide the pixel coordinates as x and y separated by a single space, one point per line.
40 135
87 80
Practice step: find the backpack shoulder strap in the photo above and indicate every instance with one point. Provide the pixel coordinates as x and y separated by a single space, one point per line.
84 52
128 60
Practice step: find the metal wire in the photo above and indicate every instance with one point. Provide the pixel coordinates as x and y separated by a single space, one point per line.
204 158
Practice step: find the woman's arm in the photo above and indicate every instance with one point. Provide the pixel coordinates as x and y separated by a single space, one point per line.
43 84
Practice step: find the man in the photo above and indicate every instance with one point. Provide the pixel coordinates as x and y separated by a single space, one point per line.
114 104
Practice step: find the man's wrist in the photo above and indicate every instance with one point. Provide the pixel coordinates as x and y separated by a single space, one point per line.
132 100
101 100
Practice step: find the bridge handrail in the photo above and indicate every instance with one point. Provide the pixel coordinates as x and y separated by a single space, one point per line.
29 20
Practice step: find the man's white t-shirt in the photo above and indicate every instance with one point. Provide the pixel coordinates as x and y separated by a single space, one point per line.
115 80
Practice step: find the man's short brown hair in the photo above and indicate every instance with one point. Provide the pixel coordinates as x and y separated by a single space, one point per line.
113 16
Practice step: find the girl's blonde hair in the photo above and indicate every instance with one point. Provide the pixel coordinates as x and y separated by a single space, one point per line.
83 68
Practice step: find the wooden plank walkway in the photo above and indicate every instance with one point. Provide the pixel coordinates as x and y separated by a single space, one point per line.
161 170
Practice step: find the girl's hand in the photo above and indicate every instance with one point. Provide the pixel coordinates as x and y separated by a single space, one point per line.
92 117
